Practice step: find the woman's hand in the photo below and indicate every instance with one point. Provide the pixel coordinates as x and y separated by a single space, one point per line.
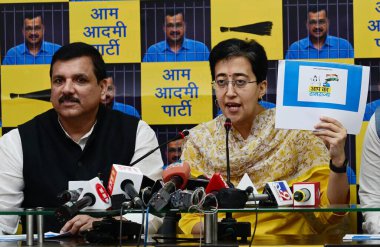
334 135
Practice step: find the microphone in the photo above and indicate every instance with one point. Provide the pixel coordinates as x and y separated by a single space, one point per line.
181 135
306 194
254 197
194 183
125 180
69 195
175 177
227 126
227 197
94 196
181 199
177 173
148 192
279 194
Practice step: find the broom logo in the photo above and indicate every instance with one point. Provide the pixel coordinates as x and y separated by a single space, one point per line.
260 28
43 95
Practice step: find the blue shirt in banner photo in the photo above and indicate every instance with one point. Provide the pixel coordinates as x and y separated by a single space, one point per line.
20 54
191 50
333 47
323 85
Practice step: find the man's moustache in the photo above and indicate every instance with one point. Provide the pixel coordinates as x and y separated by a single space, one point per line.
33 36
174 33
175 158
68 98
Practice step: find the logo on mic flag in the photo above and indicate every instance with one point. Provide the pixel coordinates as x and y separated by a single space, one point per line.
101 191
282 191
279 194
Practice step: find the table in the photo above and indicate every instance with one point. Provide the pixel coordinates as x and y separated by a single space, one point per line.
267 240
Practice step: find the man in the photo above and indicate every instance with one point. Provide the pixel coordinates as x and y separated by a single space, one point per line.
108 99
174 151
369 174
78 139
319 44
34 50
370 109
176 47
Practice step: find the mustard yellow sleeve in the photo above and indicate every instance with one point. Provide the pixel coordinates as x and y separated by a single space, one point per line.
188 221
316 155
322 175
320 220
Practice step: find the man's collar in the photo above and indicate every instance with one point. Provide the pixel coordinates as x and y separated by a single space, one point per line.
185 45
98 120
310 44
83 139
328 40
42 48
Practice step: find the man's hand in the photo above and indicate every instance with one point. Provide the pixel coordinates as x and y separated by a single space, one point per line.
334 135
78 224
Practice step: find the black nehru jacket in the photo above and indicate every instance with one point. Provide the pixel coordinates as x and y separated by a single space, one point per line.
51 159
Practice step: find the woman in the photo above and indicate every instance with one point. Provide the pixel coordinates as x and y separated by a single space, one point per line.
239 70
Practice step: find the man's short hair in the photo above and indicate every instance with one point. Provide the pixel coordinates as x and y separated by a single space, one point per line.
315 8
174 12
249 49
32 14
80 49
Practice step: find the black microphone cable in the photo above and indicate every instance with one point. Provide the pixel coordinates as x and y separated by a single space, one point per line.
142 225
227 126
121 224
256 219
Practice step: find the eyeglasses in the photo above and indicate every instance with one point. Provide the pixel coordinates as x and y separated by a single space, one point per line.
110 88
175 150
30 29
222 84
319 22
174 25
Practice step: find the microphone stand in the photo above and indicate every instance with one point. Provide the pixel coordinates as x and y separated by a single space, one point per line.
227 126
229 228
181 135
170 219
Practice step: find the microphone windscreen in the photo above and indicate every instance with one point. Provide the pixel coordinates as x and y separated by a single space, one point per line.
306 194
185 133
216 183
227 124
179 169
119 173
